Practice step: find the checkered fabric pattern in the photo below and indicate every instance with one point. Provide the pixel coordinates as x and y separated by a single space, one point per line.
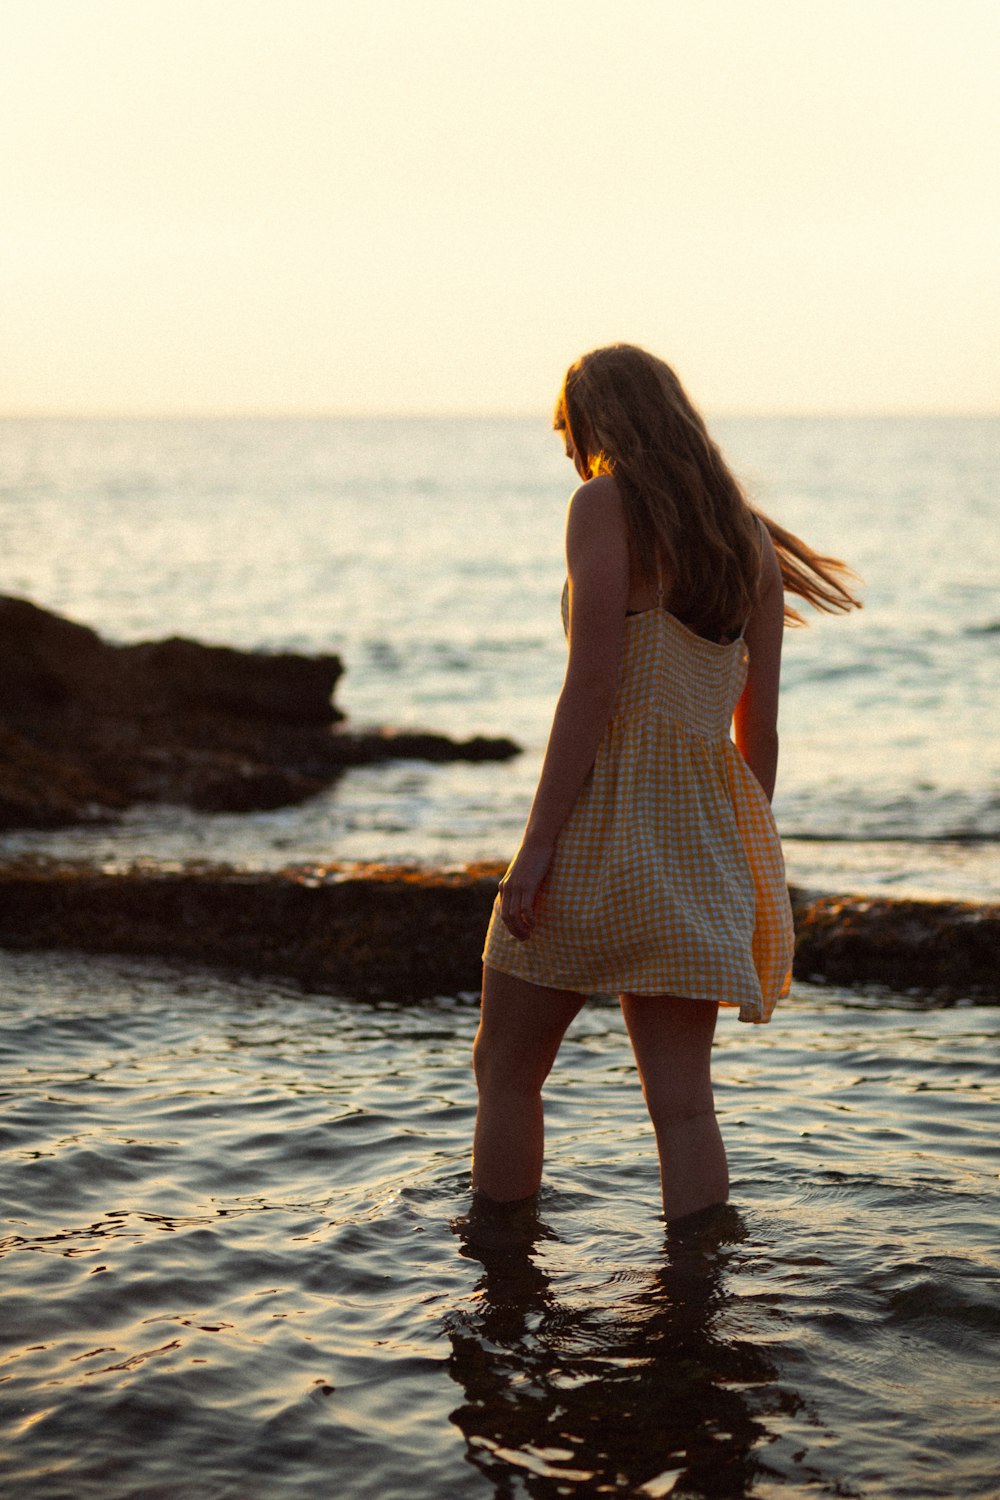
668 876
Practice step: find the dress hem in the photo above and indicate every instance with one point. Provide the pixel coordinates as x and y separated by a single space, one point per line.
752 1010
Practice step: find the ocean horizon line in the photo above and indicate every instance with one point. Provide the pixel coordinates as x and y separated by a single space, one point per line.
165 415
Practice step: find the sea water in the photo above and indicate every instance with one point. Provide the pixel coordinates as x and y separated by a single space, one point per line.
429 554
234 1260
234 1264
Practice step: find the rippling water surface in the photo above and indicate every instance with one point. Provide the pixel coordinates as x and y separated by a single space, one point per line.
234 1265
234 1261
429 554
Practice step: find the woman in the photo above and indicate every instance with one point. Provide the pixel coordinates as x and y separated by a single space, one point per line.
650 866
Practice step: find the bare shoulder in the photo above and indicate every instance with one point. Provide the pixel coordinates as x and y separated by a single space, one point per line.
596 505
597 553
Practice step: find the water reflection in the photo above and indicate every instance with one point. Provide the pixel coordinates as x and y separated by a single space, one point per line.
651 1394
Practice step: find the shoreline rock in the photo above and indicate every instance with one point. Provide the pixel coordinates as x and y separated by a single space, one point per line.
405 934
950 948
88 728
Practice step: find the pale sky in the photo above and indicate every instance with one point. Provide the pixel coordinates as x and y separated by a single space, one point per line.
434 205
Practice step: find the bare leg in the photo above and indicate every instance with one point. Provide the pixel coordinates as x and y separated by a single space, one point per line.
672 1041
520 1028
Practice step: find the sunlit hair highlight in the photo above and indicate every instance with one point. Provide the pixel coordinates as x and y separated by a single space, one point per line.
627 414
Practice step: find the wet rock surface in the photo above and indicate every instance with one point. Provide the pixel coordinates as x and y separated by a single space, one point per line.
948 948
369 932
405 934
86 727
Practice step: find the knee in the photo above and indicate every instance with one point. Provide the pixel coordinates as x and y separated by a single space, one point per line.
502 1069
677 1118
683 1114
486 1061
675 1099
491 1067
678 1101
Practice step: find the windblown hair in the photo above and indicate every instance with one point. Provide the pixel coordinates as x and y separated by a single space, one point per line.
627 414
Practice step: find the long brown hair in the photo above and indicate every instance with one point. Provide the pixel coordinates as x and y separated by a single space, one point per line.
627 414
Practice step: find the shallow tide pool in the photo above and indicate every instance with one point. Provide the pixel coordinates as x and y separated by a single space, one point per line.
234 1263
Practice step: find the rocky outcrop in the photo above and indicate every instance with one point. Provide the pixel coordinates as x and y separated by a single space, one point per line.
369 932
406 934
87 728
948 948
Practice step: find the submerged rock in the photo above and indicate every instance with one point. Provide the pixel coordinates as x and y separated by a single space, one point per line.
86 728
405 934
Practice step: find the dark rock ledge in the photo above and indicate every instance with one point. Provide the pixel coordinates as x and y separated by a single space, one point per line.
86 728
946 948
405 934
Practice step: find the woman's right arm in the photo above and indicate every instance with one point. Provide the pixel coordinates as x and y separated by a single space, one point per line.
597 562
755 721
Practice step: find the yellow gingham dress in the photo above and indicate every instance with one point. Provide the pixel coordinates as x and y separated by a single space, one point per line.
668 876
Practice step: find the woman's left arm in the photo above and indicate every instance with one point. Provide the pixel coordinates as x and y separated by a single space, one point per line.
597 562
755 721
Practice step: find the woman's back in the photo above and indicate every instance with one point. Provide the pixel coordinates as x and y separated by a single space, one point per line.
667 877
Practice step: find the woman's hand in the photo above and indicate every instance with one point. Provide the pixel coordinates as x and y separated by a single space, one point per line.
519 888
